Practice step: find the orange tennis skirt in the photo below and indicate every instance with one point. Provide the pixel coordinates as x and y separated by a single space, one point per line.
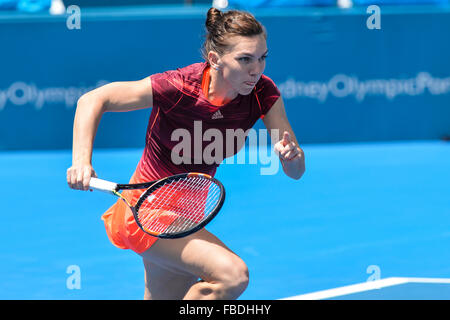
121 228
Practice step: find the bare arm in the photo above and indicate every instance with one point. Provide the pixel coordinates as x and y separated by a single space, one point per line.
291 155
114 97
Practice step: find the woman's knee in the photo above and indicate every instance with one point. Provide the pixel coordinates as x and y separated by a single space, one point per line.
233 278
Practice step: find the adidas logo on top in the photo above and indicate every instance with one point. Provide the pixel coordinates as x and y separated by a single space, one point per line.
217 115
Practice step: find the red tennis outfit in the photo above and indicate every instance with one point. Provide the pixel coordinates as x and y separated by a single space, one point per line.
179 102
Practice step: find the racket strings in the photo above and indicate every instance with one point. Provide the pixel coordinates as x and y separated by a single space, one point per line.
179 205
153 209
189 210
193 213
189 204
164 198
179 213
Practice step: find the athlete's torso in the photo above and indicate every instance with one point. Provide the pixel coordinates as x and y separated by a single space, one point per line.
181 111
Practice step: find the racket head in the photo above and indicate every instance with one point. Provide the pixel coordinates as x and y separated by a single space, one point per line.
179 205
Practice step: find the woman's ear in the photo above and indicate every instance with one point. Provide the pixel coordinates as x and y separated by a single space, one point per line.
214 60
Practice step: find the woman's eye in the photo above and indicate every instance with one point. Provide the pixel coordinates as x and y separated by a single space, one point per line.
248 59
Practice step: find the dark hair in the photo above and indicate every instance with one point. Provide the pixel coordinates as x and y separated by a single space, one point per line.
220 25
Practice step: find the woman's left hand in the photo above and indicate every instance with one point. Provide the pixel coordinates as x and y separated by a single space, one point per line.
291 156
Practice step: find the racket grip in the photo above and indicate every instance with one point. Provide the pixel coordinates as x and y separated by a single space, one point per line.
102 185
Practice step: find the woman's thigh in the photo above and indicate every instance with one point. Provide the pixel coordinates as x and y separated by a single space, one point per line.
201 255
164 284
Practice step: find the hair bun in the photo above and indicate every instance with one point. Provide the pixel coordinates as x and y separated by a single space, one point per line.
213 17
220 25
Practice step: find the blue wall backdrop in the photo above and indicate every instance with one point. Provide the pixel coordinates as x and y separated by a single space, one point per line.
340 80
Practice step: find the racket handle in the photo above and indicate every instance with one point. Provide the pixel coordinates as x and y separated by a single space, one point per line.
102 185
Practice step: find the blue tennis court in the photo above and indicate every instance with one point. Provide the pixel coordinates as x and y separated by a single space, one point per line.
359 205
367 94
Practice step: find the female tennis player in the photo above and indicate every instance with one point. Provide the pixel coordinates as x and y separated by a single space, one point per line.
226 91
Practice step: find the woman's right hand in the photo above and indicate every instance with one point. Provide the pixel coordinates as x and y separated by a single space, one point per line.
78 176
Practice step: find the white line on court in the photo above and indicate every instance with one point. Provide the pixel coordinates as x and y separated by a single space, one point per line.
370 285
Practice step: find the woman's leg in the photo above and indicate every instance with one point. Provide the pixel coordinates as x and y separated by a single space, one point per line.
164 284
177 262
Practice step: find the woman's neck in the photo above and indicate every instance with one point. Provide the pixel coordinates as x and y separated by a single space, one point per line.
219 93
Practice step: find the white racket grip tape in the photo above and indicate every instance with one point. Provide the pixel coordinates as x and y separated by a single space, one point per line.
102 185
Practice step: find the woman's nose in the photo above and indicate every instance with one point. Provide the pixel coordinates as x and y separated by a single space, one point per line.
257 68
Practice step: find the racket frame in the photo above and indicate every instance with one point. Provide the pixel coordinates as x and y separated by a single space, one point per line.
114 188
161 182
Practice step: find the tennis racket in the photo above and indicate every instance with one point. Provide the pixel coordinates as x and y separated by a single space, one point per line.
172 207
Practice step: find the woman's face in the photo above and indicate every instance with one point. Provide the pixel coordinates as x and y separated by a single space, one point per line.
243 63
